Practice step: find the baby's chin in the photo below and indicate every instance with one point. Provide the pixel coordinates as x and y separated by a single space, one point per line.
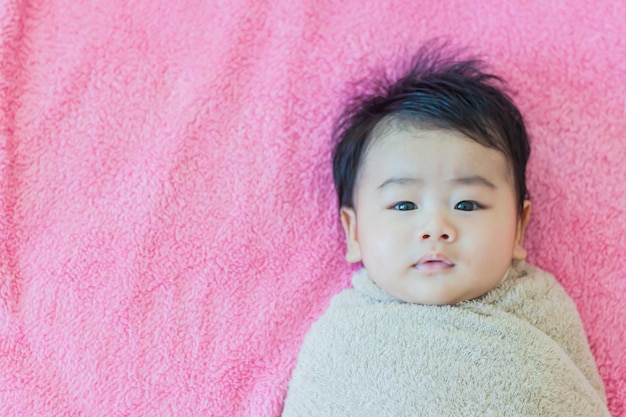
440 295
436 297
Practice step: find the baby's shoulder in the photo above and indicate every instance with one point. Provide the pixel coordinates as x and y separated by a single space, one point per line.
529 290
535 296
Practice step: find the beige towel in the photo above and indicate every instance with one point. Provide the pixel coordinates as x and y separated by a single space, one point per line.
519 350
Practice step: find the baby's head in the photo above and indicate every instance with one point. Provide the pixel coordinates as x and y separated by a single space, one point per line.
430 176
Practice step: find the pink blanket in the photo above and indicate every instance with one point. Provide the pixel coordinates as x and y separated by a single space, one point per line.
167 216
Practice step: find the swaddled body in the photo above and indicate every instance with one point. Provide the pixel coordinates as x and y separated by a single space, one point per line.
502 354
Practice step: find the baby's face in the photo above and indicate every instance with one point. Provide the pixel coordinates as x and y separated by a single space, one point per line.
435 218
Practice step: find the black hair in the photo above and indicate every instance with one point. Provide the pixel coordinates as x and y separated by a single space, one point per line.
438 91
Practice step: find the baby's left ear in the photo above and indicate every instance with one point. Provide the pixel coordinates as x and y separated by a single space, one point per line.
519 253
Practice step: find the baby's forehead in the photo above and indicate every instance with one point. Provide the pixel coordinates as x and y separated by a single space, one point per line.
457 155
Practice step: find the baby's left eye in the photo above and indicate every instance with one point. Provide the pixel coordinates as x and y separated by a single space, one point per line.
467 206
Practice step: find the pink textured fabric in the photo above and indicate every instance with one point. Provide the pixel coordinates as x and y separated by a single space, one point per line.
167 216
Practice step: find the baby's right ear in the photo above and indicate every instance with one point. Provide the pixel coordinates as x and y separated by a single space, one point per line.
348 220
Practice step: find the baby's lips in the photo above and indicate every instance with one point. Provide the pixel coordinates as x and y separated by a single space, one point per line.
434 258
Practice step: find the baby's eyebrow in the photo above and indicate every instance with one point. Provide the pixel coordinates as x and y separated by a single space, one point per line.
470 180
474 180
401 181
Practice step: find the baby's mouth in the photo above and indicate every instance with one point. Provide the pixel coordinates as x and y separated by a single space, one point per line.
433 262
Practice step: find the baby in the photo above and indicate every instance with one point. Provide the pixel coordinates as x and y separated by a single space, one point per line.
445 318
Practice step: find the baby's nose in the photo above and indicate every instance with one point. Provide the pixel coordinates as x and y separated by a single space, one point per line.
443 236
437 229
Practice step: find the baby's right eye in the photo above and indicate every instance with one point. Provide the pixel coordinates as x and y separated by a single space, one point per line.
404 206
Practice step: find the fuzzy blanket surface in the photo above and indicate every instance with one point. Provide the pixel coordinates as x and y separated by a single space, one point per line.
519 350
168 224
